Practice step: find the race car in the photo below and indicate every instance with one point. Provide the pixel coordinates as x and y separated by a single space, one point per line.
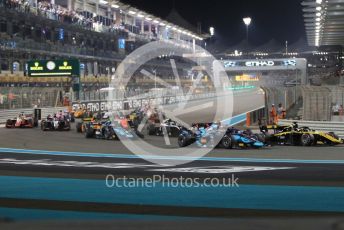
135 117
171 127
106 129
80 125
56 122
22 121
295 135
206 135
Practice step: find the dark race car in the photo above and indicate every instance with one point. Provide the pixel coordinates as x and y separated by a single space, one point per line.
22 121
89 117
207 135
169 126
135 118
105 129
60 123
295 135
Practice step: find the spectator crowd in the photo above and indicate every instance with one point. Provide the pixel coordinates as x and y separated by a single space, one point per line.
59 13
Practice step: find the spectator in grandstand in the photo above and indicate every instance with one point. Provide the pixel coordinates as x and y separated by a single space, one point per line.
340 111
56 12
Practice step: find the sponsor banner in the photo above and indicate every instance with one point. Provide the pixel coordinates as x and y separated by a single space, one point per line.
97 106
53 68
259 63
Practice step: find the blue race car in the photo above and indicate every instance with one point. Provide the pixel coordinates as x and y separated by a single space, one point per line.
235 138
209 135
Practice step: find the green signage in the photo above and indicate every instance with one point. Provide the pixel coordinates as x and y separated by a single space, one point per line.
53 68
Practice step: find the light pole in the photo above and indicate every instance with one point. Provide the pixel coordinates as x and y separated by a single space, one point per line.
247 22
286 47
154 71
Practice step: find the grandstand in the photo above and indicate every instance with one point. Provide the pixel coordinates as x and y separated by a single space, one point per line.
99 34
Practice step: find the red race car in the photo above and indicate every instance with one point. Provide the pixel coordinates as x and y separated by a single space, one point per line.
22 121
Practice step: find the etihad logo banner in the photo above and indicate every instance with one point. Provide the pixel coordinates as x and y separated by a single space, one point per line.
283 63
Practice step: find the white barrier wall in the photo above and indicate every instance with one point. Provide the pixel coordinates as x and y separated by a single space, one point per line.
327 126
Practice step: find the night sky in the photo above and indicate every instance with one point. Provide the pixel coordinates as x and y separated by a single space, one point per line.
278 19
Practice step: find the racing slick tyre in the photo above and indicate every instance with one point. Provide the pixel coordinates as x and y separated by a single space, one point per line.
266 138
89 132
151 130
67 127
306 139
78 127
259 137
182 140
9 123
107 133
43 126
174 132
226 142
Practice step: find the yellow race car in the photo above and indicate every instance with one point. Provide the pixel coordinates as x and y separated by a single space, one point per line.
295 135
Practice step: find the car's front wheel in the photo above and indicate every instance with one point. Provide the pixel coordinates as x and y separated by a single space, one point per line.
307 139
226 142
44 126
78 127
9 123
89 132
182 140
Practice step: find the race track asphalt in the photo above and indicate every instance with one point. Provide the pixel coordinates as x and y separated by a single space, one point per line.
56 173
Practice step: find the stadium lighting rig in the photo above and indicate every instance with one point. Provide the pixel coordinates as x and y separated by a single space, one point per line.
324 20
211 31
247 21
141 15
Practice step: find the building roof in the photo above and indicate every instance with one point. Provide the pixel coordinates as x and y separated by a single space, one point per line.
324 22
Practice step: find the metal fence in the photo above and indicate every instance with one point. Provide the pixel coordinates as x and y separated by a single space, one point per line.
317 102
337 93
29 97
287 96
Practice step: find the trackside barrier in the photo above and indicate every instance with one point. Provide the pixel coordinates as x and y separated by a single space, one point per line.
287 96
27 97
134 102
12 113
316 103
327 126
